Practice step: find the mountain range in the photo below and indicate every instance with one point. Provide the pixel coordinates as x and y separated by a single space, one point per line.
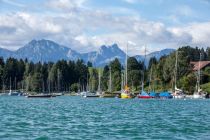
46 50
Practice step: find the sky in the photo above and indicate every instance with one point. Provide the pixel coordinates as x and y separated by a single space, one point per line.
85 25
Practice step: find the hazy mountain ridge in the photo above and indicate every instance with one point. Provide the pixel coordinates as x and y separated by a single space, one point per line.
46 50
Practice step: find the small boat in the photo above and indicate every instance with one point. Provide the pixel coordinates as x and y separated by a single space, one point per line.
14 93
153 94
58 94
41 96
144 95
179 94
125 94
90 95
165 95
199 93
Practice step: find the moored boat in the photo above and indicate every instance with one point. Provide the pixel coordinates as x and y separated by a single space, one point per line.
41 96
14 93
90 95
178 93
144 95
165 95
198 94
125 93
153 94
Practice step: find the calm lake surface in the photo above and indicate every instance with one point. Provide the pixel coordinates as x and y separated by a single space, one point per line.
68 117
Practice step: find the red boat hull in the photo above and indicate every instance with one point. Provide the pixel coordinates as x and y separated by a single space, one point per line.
145 97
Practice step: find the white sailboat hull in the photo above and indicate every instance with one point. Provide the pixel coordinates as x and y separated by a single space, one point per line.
179 96
90 95
197 96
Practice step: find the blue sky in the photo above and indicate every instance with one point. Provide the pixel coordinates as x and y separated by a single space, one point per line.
85 25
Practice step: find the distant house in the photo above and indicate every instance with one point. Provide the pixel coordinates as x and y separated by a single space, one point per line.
203 65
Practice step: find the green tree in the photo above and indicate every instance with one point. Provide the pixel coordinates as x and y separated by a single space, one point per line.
105 78
134 72
116 74
36 82
187 83
89 64
75 87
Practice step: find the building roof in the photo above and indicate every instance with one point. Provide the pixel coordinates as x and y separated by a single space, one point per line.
203 64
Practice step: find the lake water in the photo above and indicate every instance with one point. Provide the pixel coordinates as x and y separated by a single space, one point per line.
68 117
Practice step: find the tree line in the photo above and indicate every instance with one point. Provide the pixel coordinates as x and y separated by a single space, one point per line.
76 75
41 77
159 75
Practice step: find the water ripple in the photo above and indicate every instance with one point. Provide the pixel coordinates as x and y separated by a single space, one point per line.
79 118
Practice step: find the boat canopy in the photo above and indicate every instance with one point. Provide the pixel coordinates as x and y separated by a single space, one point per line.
153 94
144 93
165 94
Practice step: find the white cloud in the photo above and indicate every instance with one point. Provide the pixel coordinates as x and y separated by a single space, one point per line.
85 29
66 5
200 33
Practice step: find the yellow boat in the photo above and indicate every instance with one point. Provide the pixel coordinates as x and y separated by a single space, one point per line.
126 93
125 96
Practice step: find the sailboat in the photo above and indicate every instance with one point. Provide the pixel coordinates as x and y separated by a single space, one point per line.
43 94
85 89
152 92
126 94
89 94
178 93
13 93
143 94
99 92
198 94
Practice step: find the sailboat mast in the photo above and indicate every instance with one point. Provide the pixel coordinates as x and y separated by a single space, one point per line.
143 69
10 86
3 88
43 90
175 76
15 83
58 80
22 85
122 81
99 80
150 79
110 79
199 73
87 87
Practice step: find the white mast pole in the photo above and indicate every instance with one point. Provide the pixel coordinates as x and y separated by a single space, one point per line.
175 78
143 69
110 79
99 80
199 73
